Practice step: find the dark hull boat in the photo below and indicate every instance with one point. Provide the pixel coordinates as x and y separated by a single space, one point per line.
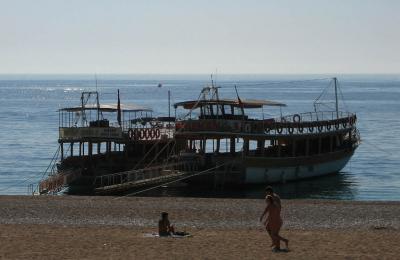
91 149
215 143
248 150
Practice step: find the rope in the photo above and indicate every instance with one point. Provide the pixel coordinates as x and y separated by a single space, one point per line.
180 179
322 93
342 97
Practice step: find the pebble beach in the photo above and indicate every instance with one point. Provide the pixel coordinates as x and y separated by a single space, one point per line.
71 227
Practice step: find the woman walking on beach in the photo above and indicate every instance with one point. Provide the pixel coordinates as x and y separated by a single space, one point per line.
273 222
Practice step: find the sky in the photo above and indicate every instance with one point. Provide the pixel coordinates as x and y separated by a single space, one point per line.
190 37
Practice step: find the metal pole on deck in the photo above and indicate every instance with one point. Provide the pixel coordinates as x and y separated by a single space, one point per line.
336 98
169 109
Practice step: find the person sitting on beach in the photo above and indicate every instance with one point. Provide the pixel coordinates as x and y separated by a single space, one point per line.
273 223
164 226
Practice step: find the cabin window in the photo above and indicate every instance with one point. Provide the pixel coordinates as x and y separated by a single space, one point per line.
238 111
220 110
226 110
208 110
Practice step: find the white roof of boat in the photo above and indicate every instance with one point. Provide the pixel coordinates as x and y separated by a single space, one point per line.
110 108
247 103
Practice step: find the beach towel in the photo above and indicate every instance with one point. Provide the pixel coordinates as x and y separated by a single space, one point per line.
175 235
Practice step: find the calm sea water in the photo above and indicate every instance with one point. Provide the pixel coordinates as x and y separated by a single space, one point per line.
29 125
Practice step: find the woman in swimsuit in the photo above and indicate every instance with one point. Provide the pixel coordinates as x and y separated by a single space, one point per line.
273 223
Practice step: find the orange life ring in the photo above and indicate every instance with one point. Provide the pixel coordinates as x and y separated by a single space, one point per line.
152 133
130 134
146 133
141 134
136 134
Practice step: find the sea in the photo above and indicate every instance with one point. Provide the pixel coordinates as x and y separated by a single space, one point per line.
29 125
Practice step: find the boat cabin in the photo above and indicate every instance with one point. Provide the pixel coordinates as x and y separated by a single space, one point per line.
223 128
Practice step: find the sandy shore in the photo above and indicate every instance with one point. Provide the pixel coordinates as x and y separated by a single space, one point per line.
67 227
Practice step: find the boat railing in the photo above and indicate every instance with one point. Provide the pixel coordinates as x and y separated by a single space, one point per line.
145 175
304 123
127 130
314 116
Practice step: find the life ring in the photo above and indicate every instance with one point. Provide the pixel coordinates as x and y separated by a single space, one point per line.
131 134
158 134
141 134
136 134
152 133
328 126
290 129
147 133
267 129
279 129
310 128
337 125
351 121
300 128
247 128
320 127
296 118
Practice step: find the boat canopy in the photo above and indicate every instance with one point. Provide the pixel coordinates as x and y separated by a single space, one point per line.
109 108
248 103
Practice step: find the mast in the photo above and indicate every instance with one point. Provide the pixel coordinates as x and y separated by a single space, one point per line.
336 98
169 108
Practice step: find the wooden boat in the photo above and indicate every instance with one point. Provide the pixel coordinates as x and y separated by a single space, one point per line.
216 143
98 140
261 151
